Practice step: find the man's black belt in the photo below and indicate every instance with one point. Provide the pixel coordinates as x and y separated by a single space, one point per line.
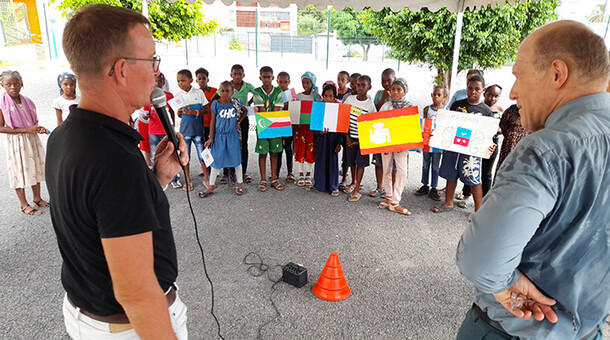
495 324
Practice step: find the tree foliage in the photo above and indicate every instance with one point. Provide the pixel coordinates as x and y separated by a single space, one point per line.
351 30
311 21
347 23
175 21
490 36
598 14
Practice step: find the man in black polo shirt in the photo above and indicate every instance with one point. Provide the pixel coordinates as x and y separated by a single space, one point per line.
109 211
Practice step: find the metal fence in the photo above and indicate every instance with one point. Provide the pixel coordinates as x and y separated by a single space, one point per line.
14 24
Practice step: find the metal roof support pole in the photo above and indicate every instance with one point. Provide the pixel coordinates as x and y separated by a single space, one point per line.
328 37
456 45
145 8
256 36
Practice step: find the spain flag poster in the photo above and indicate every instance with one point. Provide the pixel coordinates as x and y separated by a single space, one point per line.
390 131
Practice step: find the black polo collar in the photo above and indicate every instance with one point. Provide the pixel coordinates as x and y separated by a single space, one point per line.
77 113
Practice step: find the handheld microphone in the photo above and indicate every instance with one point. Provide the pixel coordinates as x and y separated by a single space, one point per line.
159 101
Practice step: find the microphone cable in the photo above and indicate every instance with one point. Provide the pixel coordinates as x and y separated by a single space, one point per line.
205 270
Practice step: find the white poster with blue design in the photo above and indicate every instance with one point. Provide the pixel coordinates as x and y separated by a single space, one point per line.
465 133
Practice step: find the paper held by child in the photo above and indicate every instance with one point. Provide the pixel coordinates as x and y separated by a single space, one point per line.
468 134
300 112
176 103
390 131
290 95
331 116
273 124
206 155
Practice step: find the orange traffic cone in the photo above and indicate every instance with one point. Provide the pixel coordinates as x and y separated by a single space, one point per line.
331 285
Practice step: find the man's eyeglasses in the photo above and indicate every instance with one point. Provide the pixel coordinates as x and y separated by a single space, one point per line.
156 60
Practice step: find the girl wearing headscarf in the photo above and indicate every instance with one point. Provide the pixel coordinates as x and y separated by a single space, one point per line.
304 139
67 90
401 158
24 152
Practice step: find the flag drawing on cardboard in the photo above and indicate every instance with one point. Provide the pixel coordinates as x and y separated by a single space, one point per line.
273 124
465 133
331 116
427 125
300 111
390 131
290 95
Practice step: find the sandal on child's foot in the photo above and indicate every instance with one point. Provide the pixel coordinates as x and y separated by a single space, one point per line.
277 185
342 186
223 180
350 189
262 186
188 186
31 211
290 178
310 188
383 205
398 209
239 191
247 179
308 181
301 181
355 197
204 194
376 193
334 193
41 204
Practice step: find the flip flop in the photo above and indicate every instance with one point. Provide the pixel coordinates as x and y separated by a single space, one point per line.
354 198
441 209
188 186
349 189
239 191
204 194
334 193
247 179
463 203
290 178
376 193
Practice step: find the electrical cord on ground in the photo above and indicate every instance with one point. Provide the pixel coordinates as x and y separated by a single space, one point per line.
257 268
205 270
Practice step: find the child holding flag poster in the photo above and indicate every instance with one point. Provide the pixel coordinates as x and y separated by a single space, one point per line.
394 188
361 104
328 144
304 141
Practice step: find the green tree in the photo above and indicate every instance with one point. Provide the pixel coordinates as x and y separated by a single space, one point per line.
490 35
311 21
598 14
175 21
351 30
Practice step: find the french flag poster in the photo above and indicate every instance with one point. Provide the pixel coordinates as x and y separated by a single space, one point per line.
331 116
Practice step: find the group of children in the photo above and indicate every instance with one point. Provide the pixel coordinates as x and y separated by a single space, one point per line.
218 119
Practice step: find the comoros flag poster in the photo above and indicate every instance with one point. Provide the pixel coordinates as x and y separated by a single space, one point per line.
331 116
273 124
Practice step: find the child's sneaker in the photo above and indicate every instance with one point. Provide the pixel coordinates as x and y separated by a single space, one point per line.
434 194
176 184
424 190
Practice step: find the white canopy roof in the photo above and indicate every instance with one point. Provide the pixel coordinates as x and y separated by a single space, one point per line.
376 5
